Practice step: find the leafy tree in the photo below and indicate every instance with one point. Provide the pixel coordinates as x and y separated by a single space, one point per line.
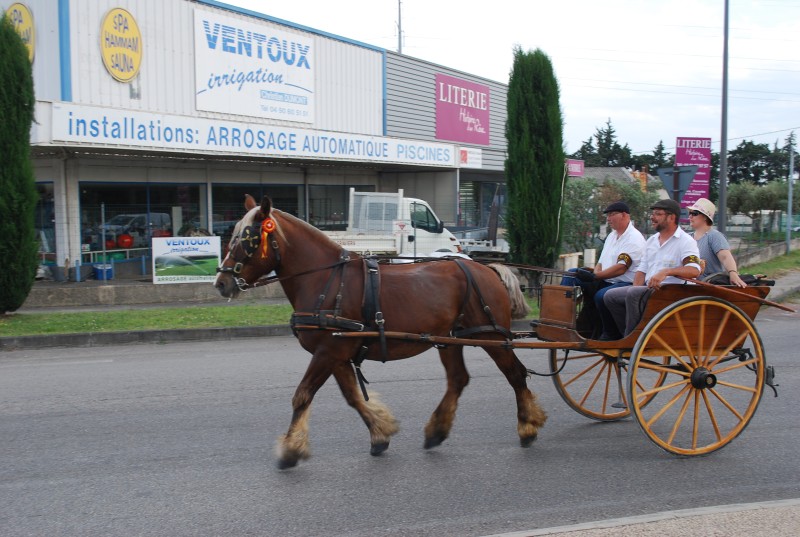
588 154
583 209
748 162
535 164
660 157
582 214
18 247
608 149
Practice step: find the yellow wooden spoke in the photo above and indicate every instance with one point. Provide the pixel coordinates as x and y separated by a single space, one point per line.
593 384
666 407
679 417
711 416
582 373
726 403
663 369
645 393
736 365
717 335
677 355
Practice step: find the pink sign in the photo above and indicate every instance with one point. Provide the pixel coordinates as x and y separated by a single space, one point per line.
695 152
462 111
574 168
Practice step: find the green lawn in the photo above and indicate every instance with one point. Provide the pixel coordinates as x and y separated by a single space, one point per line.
27 324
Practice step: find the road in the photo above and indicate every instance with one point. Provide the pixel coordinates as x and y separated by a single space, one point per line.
177 439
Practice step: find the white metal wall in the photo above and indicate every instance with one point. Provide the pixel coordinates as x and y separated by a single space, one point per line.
46 71
411 104
348 85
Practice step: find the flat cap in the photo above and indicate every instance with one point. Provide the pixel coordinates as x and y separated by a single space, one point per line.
618 207
671 206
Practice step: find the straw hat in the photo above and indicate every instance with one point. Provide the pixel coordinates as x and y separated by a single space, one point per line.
704 206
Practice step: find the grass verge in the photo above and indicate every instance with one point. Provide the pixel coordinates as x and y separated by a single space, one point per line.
29 324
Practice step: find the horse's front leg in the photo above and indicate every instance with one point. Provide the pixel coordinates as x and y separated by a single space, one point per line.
377 417
293 446
438 427
530 416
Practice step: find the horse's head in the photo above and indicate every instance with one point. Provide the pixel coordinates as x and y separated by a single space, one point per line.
252 252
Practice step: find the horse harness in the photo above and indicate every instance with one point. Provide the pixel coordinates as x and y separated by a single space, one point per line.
371 310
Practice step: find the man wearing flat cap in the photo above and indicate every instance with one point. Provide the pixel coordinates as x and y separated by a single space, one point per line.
622 252
669 255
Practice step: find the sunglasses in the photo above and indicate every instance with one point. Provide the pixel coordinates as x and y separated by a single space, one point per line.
695 213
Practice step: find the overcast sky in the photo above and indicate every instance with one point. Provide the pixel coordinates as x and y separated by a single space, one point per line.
654 67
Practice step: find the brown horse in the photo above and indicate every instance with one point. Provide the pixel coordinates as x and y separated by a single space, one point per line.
334 291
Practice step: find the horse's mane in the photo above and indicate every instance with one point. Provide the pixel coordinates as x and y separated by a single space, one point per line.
317 233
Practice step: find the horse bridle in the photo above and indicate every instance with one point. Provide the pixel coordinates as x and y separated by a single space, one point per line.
245 245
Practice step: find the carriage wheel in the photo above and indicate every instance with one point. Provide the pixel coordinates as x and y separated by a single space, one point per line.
714 379
592 383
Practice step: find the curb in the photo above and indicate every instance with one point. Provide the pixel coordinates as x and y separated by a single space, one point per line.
99 339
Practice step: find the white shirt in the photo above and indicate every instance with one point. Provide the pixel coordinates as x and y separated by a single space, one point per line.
631 242
671 254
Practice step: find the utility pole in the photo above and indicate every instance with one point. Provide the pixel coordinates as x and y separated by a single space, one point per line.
399 27
790 178
723 142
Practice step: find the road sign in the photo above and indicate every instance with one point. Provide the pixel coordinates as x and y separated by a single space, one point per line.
677 188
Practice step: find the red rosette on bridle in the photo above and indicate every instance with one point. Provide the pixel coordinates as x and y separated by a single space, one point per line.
267 227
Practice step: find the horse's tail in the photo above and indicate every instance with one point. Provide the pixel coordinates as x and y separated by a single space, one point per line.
519 306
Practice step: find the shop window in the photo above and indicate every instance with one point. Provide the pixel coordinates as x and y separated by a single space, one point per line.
476 200
124 217
45 224
228 205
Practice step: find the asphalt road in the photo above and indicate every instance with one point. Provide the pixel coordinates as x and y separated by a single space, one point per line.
176 439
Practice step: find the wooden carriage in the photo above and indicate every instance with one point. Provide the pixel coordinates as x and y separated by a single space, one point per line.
691 374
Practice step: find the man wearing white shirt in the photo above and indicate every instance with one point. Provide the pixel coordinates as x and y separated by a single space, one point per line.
619 260
669 255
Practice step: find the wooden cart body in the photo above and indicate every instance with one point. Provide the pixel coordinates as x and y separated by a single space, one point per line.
691 373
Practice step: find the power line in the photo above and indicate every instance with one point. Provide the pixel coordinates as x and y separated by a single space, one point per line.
729 139
674 85
684 93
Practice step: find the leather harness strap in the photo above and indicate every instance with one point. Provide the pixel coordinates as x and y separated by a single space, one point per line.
494 327
371 307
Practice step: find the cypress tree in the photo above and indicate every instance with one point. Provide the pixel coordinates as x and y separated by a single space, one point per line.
18 246
534 166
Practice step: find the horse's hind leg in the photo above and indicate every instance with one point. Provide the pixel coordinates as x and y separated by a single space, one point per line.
377 417
438 428
530 416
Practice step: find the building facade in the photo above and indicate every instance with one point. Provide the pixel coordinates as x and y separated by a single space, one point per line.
158 116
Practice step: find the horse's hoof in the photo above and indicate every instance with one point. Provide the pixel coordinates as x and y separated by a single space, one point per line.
377 449
283 464
434 441
528 440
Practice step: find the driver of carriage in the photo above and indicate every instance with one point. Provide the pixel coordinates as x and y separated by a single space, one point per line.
670 254
619 260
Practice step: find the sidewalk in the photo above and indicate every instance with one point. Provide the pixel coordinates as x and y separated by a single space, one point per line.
111 293
779 518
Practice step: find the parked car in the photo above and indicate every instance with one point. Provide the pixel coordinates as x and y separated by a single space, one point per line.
138 226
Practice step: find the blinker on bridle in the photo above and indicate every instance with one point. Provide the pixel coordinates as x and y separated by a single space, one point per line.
250 240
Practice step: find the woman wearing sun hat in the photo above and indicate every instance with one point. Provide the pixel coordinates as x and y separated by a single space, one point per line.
713 246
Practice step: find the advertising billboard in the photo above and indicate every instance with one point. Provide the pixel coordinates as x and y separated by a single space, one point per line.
185 259
695 152
462 110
